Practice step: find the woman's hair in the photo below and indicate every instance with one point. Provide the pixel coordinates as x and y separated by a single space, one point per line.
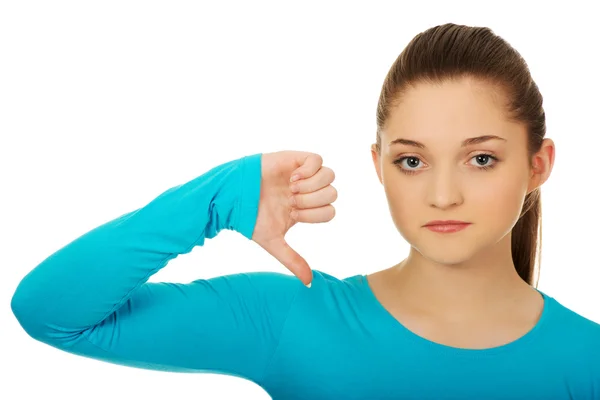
451 51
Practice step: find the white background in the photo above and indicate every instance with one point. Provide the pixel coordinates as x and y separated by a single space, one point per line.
104 105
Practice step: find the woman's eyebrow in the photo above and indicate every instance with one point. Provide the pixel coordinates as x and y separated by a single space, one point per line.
465 143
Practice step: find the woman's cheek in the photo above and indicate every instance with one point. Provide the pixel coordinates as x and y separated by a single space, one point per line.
404 210
501 203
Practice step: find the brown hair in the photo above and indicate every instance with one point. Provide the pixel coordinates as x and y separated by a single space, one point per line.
452 51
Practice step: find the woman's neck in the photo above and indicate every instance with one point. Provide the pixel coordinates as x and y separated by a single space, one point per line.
475 287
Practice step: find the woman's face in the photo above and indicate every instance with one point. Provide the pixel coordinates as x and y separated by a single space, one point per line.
483 182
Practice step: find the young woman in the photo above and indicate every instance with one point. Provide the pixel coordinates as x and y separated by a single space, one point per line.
461 154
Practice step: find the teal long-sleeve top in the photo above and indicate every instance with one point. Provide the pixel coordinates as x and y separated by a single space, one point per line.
332 341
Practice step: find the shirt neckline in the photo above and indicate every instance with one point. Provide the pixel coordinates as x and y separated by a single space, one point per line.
381 312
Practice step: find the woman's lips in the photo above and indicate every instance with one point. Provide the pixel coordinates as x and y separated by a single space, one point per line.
448 228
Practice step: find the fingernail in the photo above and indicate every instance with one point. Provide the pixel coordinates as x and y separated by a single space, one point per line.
295 178
309 285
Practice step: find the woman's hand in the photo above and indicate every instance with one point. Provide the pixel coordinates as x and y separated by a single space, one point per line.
284 202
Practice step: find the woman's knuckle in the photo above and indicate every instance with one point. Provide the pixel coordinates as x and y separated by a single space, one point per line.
300 217
331 213
298 201
331 174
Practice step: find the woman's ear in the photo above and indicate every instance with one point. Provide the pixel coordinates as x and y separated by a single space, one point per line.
542 164
376 161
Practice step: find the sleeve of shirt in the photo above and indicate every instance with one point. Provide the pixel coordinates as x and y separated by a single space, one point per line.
92 298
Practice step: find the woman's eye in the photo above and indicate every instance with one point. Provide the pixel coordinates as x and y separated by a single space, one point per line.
410 164
483 160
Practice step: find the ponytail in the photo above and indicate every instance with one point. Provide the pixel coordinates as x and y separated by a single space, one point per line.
526 239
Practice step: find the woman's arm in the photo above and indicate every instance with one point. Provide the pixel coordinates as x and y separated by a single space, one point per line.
92 297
